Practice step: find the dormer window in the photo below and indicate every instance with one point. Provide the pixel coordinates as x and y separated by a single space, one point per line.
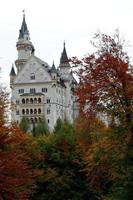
32 76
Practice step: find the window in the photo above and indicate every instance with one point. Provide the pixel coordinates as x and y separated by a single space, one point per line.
31 111
39 100
32 90
44 90
31 100
32 76
23 101
48 100
39 111
27 101
23 111
48 111
21 91
48 121
17 102
35 111
17 112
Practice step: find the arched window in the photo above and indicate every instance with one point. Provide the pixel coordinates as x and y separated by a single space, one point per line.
39 110
23 111
31 111
27 100
27 111
39 100
35 111
32 121
23 101
35 100
31 100
39 119
35 120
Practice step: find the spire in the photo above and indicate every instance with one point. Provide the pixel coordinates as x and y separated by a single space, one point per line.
24 29
64 58
53 69
12 73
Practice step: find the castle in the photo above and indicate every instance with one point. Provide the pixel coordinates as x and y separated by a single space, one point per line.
40 91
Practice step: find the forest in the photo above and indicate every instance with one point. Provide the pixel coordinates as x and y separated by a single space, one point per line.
91 159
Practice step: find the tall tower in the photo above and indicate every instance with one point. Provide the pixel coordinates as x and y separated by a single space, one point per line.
64 62
24 46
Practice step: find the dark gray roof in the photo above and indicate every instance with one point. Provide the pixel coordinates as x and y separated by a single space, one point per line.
32 94
53 69
64 58
12 73
24 29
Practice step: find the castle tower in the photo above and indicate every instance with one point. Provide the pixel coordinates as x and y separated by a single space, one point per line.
64 62
24 46
12 76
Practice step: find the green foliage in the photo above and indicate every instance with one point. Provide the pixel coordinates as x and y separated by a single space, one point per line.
24 125
41 128
64 177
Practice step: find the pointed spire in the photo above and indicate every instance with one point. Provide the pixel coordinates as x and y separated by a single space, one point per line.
24 29
64 58
53 69
12 73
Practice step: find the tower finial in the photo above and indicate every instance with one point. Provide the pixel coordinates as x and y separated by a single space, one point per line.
64 43
23 11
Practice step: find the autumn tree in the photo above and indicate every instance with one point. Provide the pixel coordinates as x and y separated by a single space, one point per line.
106 81
16 176
106 88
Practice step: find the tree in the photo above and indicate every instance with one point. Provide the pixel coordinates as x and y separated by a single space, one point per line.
106 81
106 87
16 175
63 177
41 128
24 125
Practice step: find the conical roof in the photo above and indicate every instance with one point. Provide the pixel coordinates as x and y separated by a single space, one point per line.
53 69
24 29
12 73
64 57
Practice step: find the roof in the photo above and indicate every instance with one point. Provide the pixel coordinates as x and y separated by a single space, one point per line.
32 94
24 29
64 57
53 69
12 73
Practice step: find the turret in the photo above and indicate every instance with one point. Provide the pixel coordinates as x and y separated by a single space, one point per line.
12 76
64 62
24 46
53 71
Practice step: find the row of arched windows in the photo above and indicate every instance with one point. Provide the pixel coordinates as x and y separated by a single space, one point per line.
31 111
31 100
34 120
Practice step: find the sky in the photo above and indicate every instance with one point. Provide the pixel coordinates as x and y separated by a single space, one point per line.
50 22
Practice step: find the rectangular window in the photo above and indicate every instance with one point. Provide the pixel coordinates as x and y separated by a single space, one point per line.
21 91
17 112
32 90
44 90
17 102
32 76
48 111
48 100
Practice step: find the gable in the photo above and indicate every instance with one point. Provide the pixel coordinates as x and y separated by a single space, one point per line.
33 71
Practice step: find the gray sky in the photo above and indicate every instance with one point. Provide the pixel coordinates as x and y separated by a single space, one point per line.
50 22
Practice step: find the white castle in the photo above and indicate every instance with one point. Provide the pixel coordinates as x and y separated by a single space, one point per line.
38 90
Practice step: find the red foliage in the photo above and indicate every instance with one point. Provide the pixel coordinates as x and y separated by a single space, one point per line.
106 81
16 176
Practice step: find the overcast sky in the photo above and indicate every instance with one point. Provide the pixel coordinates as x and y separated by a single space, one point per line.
50 22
